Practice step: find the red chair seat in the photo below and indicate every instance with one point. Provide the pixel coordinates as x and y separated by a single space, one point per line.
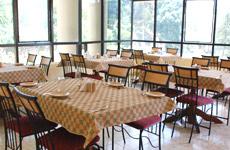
63 140
171 92
93 76
27 128
227 91
145 122
70 75
191 99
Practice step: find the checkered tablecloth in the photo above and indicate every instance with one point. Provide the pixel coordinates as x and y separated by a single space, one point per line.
85 113
103 63
18 74
164 58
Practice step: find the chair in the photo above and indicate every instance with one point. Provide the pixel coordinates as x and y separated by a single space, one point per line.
158 67
45 64
111 53
225 64
118 73
156 49
67 65
187 78
154 80
138 56
228 58
79 63
55 139
213 60
126 54
172 51
203 62
31 59
16 126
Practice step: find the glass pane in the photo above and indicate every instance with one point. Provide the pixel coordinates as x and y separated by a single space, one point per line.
223 20
38 50
65 21
222 51
125 20
169 20
199 21
94 49
72 49
8 54
143 21
145 46
126 45
196 50
169 45
111 46
33 20
6 22
91 20
111 19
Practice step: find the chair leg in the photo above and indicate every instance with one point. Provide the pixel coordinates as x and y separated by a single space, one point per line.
174 125
103 138
123 134
112 137
140 141
217 106
107 129
228 113
210 123
159 136
194 119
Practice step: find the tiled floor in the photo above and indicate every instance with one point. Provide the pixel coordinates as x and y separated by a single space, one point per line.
219 139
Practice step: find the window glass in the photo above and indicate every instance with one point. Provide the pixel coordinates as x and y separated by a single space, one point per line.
6 22
169 45
70 48
222 51
190 51
33 20
169 20
145 46
65 21
125 20
8 54
91 20
143 21
223 22
199 21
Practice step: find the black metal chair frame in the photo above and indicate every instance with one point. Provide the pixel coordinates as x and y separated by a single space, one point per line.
162 66
197 58
28 62
216 58
79 65
167 50
66 64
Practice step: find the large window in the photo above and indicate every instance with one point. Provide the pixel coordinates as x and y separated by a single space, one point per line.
143 20
222 51
169 20
223 22
7 54
6 22
125 20
91 20
65 21
196 50
199 21
33 20
111 19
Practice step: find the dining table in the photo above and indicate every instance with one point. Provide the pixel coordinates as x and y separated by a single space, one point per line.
87 113
162 58
13 73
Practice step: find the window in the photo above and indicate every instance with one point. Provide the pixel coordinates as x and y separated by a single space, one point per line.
199 21
145 46
70 48
38 50
91 20
6 22
109 45
169 45
65 21
169 20
223 22
126 45
196 50
111 19
33 28
8 54
143 20
222 51
125 20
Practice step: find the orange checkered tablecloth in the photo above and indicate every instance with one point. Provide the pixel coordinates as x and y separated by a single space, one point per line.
18 74
164 58
86 114
103 63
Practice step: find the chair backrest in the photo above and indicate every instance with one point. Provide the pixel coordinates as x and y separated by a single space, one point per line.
118 72
45 64
10 116
79 63
156 49
213 60
111 52
158 67
66 63
228 58
156 79
187 77
36 116
225 64
31 59
126 54
138 56
203 62
172 51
